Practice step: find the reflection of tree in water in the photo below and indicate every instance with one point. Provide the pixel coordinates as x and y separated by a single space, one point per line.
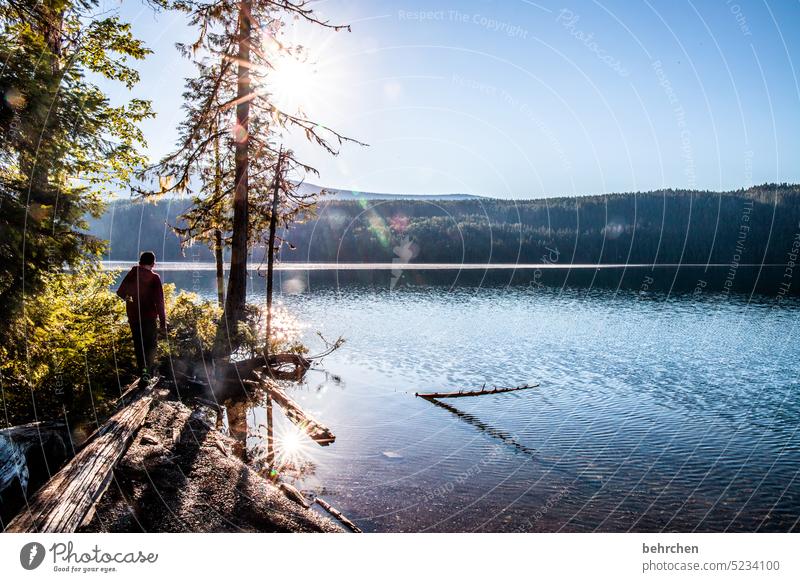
282 452
276 449
293 470
314 384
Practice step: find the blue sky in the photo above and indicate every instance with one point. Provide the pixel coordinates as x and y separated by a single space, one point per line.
520 99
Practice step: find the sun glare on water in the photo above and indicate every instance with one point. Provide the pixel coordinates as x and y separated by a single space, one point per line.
291 447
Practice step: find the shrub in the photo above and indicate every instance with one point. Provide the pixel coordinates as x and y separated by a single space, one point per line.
192 325
67 350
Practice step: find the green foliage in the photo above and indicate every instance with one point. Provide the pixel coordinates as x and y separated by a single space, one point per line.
70 352
192 325
63 144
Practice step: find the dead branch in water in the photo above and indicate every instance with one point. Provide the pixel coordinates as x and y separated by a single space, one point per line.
338 515
330 347
480 392
318 432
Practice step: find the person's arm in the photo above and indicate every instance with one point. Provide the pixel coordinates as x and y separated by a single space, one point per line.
124 291
162 314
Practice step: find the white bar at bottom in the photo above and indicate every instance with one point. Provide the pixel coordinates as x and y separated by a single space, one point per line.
332 557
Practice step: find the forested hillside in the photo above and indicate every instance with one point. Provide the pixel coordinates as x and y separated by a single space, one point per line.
671 226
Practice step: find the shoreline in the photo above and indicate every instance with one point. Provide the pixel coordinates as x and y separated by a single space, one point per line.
290 266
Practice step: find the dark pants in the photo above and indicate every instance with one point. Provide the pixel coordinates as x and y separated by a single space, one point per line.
145 338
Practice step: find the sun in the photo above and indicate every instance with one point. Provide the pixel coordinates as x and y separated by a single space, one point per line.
294 84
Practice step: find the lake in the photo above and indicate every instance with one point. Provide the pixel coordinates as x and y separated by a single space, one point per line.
668 400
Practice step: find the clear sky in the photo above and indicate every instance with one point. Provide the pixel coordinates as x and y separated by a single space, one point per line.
521 99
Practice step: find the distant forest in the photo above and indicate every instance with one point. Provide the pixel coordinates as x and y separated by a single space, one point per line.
757 225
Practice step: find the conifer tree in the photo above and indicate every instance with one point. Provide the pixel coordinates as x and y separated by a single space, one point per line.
235 48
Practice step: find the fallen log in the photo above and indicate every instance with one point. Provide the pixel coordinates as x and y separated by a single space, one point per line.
68 499
318 432
480 392
338 515
132 392
245 368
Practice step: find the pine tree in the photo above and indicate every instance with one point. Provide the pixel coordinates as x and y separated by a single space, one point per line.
235 47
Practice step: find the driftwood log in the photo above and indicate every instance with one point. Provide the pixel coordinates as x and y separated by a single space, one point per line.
318 432
273 364
480 392
68 499
338 515
292 493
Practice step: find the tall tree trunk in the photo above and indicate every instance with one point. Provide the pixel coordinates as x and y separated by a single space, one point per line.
237 275
220 218
273 225
37 162
220 267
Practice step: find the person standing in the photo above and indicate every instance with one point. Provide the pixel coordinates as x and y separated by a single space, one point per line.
143 294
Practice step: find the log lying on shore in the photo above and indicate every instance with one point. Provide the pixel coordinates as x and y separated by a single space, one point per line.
292 493
318 432
338 515
132 392
480 392
68 499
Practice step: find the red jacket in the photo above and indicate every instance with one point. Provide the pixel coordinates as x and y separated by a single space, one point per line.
143 294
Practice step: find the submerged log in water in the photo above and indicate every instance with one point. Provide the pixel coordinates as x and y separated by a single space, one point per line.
480 392
338 515
486 428
318 432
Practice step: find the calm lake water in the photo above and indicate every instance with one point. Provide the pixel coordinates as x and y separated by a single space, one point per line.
660 407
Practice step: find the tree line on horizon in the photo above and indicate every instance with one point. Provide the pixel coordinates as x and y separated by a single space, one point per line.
757 225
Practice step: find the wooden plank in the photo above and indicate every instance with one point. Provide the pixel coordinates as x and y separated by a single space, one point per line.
66 500
480 392
318 432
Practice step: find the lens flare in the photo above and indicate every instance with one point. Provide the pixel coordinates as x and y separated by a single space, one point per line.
291 447
294 84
